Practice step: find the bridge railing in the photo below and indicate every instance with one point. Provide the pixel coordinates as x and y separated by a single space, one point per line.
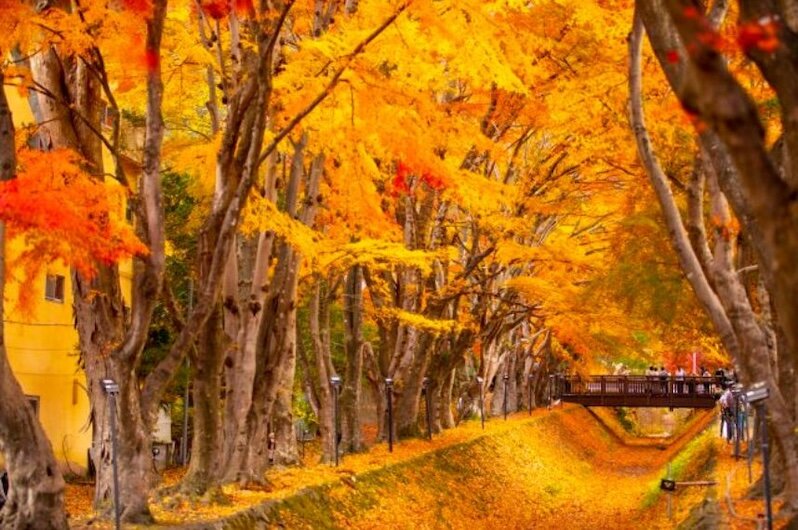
634 385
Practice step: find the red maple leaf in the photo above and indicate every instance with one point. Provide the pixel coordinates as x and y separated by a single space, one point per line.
140 7
400 179
243 7
759 35
216 9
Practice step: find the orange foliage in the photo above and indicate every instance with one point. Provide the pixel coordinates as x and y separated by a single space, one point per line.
63 214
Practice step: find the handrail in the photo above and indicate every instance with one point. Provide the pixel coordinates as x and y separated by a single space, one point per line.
636 385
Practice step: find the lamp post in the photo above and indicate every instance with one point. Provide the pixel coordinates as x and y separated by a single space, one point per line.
737 390
335 381
425 388
506 378
481 383
756 396
112 390
389 395
184 438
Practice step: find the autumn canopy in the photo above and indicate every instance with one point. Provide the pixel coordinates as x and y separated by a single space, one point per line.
431 192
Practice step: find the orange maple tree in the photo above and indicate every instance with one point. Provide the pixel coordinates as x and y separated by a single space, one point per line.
62 213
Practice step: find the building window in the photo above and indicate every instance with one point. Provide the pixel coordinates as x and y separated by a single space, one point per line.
33 401
109 117
54 288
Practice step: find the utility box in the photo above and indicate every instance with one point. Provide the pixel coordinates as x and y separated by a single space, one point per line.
162 445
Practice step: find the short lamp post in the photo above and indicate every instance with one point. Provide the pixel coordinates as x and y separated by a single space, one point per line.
425 384
756 396
111 388
335 381
506 378
389 396
481 383
737 391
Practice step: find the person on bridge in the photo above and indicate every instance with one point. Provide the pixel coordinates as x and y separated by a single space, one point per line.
705 374
664 375
692 385
680 374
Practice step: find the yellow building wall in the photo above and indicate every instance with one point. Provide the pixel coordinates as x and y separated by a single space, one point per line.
42 345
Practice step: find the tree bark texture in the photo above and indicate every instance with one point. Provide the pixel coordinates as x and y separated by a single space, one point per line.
353 347
206 390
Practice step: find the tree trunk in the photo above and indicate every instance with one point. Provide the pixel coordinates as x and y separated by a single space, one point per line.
406 404
282 418
445 402
353 345
206 442
319 316
377 386
136 467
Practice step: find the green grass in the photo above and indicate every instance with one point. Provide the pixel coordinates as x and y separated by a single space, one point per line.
701 448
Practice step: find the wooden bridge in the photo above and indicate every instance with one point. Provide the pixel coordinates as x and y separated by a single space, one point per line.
637 391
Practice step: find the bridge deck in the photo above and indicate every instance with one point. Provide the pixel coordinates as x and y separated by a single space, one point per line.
637 391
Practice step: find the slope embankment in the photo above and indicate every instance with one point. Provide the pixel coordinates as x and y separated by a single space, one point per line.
561 469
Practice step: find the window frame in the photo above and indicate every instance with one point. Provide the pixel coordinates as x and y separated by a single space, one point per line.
58 294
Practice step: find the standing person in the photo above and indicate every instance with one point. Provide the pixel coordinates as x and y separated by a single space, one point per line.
680 373
727 413
705 374
650 373
663 379
720 379
691 382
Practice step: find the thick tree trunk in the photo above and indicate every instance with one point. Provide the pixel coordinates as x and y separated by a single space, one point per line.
277 337
445 402
376 385
241 362
282 419
207 414
505 368
406 404
99 315
319 316
756 363
134 442
353 345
